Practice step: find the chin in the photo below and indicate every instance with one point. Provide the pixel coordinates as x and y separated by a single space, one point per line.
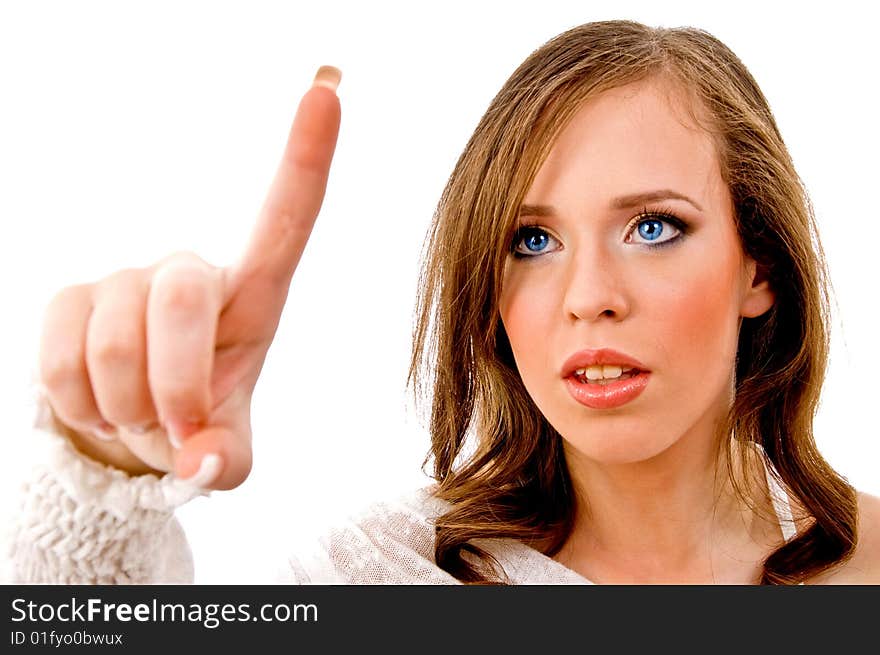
621 449
618 439
636 434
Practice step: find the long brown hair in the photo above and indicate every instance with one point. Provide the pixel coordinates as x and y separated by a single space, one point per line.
496 459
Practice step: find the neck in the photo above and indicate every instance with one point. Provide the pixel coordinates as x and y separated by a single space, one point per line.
671 518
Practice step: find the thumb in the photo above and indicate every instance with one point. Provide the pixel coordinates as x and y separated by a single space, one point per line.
214 458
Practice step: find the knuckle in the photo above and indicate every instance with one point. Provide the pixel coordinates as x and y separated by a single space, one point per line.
126 278
181 285
59 307
61 348
59 370
59 299
74 292
184 293
119 349
185 258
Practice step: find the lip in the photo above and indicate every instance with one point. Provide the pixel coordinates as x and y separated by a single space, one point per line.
605 396
585 358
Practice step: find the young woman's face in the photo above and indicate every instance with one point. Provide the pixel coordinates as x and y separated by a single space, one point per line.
628 244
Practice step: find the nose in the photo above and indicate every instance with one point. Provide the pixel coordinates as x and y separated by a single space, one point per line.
595 287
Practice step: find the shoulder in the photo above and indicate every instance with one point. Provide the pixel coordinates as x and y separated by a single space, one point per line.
864 566
868 548
385 542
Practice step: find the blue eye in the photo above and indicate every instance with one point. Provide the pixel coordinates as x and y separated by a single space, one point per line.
651 230
530 241
655 230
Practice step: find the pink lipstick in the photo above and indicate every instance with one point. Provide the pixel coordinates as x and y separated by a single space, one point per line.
604 378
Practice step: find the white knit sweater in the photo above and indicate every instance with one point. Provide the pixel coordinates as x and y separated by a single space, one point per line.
81 522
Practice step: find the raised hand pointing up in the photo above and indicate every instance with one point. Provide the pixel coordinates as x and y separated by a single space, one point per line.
153 369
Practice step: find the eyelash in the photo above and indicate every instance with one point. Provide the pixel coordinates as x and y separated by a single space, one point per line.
657 214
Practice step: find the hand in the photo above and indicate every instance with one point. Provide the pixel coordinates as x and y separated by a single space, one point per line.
146 360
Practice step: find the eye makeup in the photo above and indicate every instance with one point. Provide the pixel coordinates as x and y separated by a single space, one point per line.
657 217
530 235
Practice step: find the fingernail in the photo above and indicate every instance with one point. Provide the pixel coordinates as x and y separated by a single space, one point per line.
180 430
328 76
104 431
175 440
142 429
209 470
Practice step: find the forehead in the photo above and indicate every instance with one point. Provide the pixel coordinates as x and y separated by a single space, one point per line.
630 139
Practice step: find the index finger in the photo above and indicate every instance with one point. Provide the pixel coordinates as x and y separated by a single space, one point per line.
297 191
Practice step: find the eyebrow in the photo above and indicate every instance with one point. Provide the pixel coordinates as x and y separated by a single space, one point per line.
622 202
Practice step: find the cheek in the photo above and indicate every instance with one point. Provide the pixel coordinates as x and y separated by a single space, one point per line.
683 318
529 307
695 317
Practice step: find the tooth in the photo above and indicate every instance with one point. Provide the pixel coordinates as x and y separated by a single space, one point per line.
594 372
611 371
580 372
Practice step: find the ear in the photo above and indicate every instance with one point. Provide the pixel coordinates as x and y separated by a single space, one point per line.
758 297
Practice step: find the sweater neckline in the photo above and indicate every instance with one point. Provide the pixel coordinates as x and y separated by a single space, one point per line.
527 565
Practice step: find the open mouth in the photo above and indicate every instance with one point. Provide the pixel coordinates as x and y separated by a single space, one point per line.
601 392
602 375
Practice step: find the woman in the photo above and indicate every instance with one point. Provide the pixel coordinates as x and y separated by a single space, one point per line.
623 303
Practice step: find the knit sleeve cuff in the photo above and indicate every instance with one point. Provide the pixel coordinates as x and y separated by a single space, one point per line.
80 521
98 485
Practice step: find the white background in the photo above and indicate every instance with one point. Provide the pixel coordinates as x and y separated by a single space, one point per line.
129 131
